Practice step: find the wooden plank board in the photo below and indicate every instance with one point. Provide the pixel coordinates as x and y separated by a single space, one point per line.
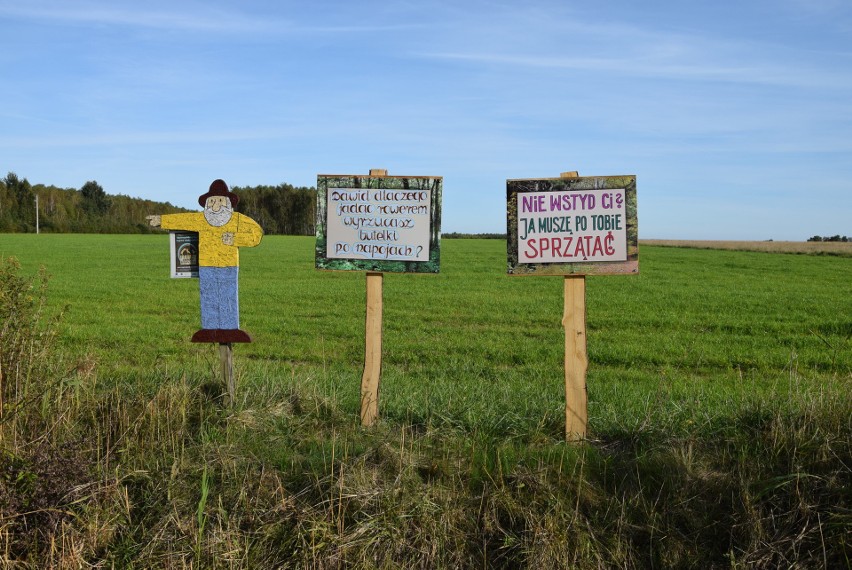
372 351
576 358
226 359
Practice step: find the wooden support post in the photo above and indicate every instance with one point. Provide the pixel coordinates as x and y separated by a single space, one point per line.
373 351
576 358
372 343
226 358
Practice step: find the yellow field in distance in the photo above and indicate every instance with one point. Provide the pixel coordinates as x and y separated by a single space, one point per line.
810 247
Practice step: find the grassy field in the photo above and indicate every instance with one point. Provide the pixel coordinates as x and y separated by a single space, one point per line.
719 415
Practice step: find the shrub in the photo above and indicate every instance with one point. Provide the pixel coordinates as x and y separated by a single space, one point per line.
43 471
26 341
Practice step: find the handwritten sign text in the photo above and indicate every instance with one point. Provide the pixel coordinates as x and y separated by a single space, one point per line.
572 226
378 224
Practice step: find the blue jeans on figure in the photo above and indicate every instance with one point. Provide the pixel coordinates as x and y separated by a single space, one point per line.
219 298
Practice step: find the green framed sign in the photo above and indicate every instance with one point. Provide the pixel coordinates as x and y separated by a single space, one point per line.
572 226
379 223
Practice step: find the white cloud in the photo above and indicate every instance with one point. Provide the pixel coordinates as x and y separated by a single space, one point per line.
154 138
200 17
114 14
686 65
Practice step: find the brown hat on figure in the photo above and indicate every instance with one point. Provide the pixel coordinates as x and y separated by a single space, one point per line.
219 188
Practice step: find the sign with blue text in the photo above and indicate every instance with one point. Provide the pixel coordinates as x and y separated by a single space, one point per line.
378 223
572 226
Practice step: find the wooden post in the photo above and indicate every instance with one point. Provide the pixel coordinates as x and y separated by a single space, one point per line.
372 343
576 359
226 358
372 351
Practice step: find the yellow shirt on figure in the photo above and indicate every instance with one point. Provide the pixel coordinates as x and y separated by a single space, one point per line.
212 249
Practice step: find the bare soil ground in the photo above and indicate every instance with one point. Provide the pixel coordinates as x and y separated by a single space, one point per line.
810 247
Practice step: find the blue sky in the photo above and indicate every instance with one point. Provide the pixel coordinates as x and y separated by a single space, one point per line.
736 116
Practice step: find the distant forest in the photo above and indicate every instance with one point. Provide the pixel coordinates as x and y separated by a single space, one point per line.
282 209
457 235
844 239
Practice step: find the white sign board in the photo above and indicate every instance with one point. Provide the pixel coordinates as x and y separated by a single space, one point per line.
572 226
378 224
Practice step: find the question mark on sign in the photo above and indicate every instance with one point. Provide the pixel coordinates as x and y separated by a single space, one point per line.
419 249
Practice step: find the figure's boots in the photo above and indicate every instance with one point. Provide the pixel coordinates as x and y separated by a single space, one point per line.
222 336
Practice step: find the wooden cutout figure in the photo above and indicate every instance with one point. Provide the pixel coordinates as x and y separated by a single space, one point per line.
221 231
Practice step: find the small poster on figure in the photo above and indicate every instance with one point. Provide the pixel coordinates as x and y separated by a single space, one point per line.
183 248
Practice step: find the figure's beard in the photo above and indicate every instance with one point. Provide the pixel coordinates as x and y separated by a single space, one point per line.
219 218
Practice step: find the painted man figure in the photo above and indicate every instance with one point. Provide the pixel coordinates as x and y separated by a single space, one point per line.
220 232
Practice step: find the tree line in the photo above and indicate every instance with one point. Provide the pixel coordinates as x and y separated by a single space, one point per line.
838 237
461 235
282 209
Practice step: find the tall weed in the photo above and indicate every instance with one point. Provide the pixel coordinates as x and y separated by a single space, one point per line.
26 343
45 469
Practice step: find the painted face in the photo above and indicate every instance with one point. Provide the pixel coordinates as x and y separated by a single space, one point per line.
216 203
217 210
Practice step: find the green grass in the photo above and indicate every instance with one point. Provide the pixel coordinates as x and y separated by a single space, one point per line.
719 430
473 345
